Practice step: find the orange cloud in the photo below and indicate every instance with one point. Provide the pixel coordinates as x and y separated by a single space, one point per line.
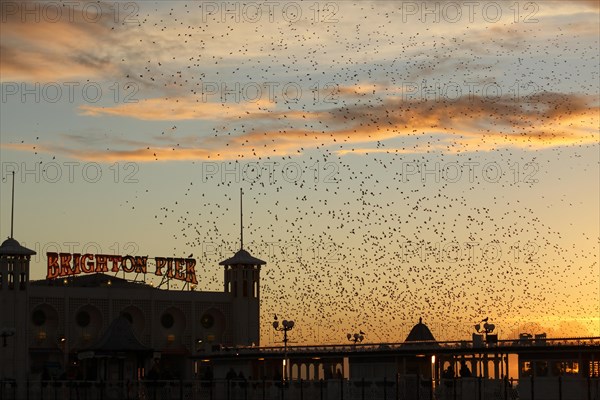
467 124
175 109
46 42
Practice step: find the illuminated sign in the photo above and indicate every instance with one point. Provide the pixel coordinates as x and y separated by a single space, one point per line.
67 264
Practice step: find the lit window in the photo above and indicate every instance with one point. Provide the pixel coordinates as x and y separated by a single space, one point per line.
566 368
572 367
526 368
594 369
41 336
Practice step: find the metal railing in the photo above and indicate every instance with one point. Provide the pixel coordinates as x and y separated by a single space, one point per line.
454 344
401 388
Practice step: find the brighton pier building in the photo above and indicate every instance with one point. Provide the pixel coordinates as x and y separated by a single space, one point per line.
85 323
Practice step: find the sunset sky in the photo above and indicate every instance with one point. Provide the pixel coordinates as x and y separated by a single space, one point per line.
399 159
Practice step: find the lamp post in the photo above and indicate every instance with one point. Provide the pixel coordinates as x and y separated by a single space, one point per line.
65 348
356 338
285 327
5 333
490 339
487 328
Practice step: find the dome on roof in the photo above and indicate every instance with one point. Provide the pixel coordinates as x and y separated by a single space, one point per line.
419 333
244 258
10 247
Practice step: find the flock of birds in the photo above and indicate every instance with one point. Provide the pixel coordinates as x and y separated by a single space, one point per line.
362 245
367 252
336 248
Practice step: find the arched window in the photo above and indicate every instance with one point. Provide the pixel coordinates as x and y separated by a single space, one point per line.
23 281
11 280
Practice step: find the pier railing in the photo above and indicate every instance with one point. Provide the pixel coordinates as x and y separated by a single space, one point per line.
411 346
400 388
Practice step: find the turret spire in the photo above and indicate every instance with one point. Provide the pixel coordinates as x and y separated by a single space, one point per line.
12 207
241 221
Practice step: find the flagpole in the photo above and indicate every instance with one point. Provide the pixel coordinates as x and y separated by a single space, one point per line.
241 221
12 208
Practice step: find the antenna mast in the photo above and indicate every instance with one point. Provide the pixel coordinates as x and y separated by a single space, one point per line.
12 208
241 221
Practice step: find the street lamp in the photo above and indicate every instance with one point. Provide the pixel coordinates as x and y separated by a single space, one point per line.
6 332
356 338
490 340
285 327
487 329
